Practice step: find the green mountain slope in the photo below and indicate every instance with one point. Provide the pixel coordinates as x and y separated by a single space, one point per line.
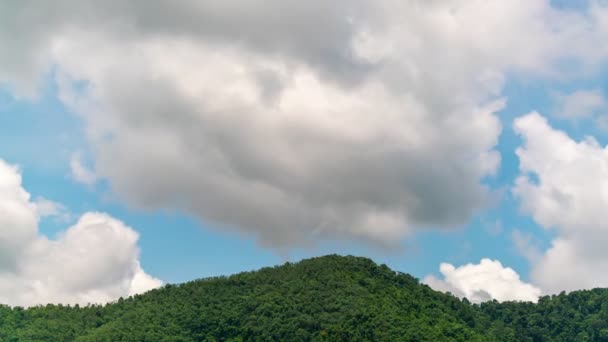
330 298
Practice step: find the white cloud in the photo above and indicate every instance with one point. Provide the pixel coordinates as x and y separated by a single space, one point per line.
481 282
48 208
580 104
80 172
564 186
251 118
76 267
18 216
142 282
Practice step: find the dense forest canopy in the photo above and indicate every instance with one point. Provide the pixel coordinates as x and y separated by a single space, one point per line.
331 298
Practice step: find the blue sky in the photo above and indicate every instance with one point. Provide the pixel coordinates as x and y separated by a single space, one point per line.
155 128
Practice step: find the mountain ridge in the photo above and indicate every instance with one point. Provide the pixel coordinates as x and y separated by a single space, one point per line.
328 298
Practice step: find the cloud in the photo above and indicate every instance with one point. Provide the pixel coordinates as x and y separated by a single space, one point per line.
563 185
80 172
580 104
285 147
48 208
252 119
482 282
75 267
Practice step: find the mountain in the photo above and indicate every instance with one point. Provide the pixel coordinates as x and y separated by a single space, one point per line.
331 298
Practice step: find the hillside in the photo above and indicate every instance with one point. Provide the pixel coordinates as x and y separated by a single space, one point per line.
330 298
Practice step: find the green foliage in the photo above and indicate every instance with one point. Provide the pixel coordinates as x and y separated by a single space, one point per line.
578 316
331 298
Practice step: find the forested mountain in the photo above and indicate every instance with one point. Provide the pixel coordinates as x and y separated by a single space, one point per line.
331 298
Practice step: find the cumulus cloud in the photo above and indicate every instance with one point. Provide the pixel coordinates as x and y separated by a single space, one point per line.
488 280
564 186
75 267
250 117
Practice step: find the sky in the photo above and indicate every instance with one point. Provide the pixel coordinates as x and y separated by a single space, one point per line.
152 142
